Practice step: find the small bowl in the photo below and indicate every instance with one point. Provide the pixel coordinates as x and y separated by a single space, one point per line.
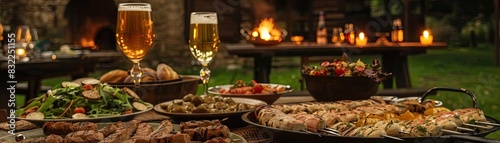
268 98
327 88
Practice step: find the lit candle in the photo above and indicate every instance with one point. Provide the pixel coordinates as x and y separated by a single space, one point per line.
361 40
20 53
297 39
426 38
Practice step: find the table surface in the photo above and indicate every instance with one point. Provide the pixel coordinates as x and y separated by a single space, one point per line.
313 49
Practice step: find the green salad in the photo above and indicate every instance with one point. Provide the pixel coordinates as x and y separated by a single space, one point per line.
87 100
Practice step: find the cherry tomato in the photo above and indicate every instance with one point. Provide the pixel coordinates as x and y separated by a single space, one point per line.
257 88
322 72
128 111
339 72
79 110
87 87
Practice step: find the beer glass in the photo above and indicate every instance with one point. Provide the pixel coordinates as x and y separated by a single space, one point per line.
204 41
134 34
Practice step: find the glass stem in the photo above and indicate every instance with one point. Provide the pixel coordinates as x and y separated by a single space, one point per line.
205 76
136 74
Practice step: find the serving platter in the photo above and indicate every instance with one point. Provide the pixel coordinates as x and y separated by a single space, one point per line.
35 133
216 90
159 109
297 136
110 118
230 119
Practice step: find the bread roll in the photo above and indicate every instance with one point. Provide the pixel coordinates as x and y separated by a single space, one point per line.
148 75
165 72
114 76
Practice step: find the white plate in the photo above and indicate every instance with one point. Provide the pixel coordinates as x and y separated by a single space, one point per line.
94 119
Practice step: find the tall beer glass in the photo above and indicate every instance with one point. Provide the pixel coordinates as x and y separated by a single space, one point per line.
204 41
134 34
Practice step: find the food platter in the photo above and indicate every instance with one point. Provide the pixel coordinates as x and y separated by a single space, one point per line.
159 109
216 90
438 103
39 133
374 121
291 136
231 119
111 118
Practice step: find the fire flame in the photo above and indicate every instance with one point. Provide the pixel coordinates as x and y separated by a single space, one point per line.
266 30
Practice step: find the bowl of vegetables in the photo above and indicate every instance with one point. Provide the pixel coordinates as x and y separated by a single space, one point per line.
86 101
266 92
343 80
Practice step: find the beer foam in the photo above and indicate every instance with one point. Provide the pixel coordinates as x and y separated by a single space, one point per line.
134 7
203 18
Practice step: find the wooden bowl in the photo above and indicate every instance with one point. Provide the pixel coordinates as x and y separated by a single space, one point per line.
160 92
327 88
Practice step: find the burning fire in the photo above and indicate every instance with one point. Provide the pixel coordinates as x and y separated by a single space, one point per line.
267 31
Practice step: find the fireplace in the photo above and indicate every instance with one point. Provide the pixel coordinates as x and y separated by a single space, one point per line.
92 23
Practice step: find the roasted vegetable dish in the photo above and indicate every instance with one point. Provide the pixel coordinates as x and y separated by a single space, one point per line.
89 99
239 87
205 104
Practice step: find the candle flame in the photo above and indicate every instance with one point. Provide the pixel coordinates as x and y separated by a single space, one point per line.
361 35
426 34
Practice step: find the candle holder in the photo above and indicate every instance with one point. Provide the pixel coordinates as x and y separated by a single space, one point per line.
361 40
426 39
297 39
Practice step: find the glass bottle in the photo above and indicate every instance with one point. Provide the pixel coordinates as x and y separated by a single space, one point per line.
321 33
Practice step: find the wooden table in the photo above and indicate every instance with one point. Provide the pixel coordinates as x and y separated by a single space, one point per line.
394 57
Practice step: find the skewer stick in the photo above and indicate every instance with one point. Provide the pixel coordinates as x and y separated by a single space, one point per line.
487 123
466 129
394 138
330 132
309 132
451 132
401 132
476 126
333 130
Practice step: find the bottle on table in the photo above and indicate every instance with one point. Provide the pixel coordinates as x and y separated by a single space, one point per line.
350 33
397 31
321 33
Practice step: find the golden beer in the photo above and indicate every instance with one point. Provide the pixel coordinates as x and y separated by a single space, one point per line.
134 32
203 41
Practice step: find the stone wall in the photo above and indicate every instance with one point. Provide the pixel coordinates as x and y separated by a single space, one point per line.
168 16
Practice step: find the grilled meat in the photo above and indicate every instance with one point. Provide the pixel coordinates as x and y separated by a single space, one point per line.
207 133
49 139
275 118
108 130
86 136
313 122
219 140
123 133
170 138
142 134
195 124
63 128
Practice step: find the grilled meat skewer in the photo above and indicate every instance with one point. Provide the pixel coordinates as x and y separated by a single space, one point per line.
194 124
64 128
85 136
